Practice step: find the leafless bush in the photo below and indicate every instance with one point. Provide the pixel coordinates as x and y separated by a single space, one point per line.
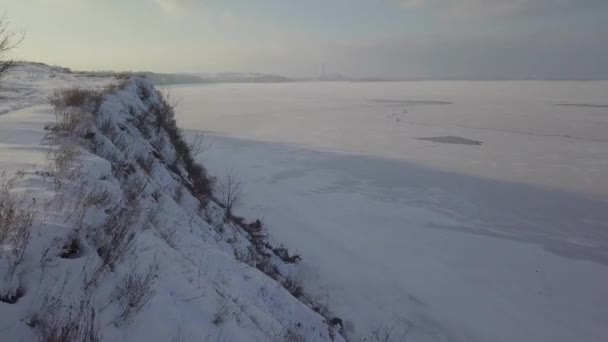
178 193
294 286
157 194
133 188
200 183
146 163
114 240
58 322
230 192
62 158
8 41
283 253
390 333
100 198
115 237
143 92
107 127
15 223
291 336
163 115
135 291
168 234
118 234
84 100
198 145
121 142
115 86
68 120
141 122
222 313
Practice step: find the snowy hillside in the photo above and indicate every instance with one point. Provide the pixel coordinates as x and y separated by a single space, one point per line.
111 232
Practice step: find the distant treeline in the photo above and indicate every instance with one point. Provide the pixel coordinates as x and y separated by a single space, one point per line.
165 79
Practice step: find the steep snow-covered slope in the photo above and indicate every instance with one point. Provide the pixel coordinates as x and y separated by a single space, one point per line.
110 233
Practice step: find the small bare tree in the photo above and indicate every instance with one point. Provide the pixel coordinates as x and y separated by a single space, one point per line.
8 41
230 192
198 145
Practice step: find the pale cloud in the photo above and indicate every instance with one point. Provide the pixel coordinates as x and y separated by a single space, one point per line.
173 6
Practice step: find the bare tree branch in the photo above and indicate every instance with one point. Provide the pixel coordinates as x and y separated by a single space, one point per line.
8 41
230 192
198 145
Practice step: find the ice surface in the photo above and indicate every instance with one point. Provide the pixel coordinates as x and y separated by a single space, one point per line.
507 241
526 137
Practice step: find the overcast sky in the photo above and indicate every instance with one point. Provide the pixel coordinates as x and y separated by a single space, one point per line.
387 38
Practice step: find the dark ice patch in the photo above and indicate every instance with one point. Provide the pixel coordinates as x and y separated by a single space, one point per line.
410 102
583 105
452 140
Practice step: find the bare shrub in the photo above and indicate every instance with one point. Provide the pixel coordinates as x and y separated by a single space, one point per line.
390 333
62 158
294 286
115 237
168 234
283 253
106 127
157 194
74 108
68 120
135 291
198 145
100 198
114 240
115 86
8 41
167 231
58 322
200 183
178 194
222 313
291 336
15 223
143 92
118 236
133 189
141 122
230 192
162 114
121 142
85 100
146 163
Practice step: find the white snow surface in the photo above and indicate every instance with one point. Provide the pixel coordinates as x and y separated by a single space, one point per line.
197 275
528 135
503 241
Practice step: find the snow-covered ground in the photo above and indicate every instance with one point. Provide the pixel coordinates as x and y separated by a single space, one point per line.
106 236
506 240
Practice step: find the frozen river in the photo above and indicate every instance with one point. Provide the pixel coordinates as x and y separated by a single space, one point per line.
434 211
551 134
